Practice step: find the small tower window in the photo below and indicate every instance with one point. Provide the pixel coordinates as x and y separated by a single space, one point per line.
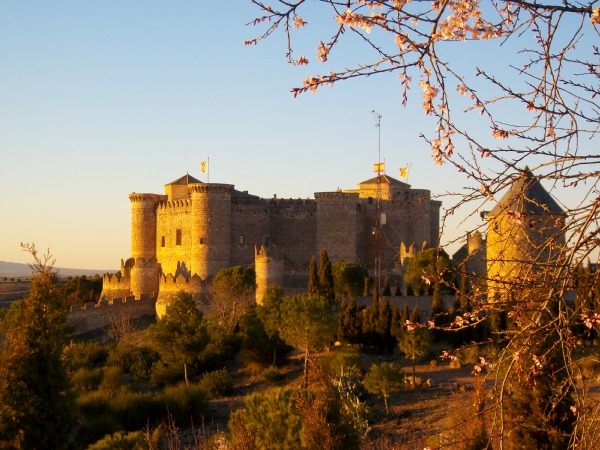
178 236
201 241
241 240
162 241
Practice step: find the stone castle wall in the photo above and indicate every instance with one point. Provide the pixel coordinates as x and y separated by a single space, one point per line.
93 316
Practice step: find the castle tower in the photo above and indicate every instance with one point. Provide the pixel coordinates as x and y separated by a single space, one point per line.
146 271
211 228
336 225
524 234
268 265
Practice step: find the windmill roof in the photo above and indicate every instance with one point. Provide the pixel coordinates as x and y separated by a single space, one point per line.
186 179
527 195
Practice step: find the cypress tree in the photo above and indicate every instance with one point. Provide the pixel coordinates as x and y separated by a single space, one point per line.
313 277
343 325
386 287
366 289
397 290
326 288
384 325
395 321
415 316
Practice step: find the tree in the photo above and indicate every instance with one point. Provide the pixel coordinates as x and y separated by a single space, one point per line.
313 277
414 343
268 421
36 403
269 313
537 107
429 267
384 380
349 279
182 333
307 323
326 284
232 294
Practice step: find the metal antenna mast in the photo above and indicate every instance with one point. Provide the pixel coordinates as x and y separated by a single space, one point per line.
378 207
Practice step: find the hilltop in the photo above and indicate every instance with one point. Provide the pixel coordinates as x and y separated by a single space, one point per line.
18 270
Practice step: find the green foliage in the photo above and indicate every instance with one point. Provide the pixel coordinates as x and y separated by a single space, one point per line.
232 296
120 441
236 281
217 384
349 279
341 359
181 335
384 380
271 374
415 345
269 315
133 359
85 355
307 323
86 380
36 403
313 277
268 421
326 282
432 264
350 323
80 290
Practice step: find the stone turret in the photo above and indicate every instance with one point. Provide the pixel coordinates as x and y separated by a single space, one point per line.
211 228
268 265
524 234
146 271
336 225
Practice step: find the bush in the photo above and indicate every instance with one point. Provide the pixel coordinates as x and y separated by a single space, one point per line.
271 374
86 380
119 441
137 361
113 379
166 374
183 402
87 355
346 358
217 384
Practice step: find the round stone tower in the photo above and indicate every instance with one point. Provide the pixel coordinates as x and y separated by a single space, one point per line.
268 265
145 272
211 228
524 235
336 225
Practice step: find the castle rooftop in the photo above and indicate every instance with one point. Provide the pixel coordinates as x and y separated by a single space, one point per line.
527 195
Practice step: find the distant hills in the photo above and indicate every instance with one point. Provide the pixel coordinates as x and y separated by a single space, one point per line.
17 270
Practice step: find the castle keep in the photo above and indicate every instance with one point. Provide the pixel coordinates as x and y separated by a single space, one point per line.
181 239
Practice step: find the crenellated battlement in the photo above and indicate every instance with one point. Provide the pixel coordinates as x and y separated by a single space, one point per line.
338 196
93 316
211 188
175 204
146 198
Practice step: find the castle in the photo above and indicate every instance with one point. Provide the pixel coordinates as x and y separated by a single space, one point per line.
181 239
525 232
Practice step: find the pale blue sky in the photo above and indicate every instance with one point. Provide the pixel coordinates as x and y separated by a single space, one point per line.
102 98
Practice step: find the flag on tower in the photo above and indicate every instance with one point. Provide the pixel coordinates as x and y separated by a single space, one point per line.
204 166
404 172
379 167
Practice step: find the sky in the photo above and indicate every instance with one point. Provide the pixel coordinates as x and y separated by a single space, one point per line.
99 99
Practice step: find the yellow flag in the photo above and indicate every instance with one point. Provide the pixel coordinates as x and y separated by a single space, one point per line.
204 166
379 167
404 172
